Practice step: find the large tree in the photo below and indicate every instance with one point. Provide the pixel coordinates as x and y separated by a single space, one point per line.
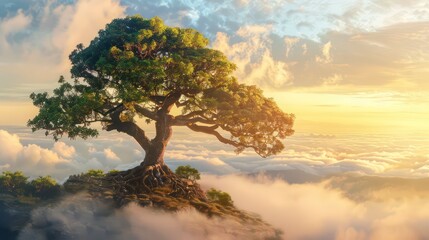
141 68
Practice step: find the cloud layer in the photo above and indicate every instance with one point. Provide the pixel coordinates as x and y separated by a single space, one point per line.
79 217
315 154
35 41
365 74
312 211
300 211
273 50
56 159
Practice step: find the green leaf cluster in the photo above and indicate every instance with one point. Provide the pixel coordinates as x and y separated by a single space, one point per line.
188 172
13 182
98 173
17 184
219 197
45 187
252 120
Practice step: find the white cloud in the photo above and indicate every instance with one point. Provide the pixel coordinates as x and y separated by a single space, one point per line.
80 217
392 56
34 155
110 154
301 211
313 211
326 54
64 150
253 57
290 43
12 25
81 22
10 146
313 153
33 159
333 80
59 161
42 41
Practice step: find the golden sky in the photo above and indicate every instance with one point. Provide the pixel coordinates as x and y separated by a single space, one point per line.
348 70
354 72
337 74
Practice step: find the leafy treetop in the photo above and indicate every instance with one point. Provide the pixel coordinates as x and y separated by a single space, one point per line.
17 184
13 182
138 67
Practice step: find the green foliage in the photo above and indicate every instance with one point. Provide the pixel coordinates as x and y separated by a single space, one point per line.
219 197
137 66
13 183
98 173
113 171
188 172
45 187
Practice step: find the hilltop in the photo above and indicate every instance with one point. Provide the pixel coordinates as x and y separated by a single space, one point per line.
173 197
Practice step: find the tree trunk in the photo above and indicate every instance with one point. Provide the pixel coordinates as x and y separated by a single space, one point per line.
154 148
154 155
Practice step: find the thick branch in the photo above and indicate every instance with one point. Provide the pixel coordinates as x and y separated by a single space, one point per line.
169 102
157 99
112 110
193 114
192 117
179 121
211 130
129 128
98 120
145 112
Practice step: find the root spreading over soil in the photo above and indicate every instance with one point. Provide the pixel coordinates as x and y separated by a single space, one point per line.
149 179
157 186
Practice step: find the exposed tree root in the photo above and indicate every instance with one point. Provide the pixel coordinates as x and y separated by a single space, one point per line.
156 186
149 179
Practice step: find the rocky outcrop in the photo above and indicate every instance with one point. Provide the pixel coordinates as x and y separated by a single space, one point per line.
15 213
164 197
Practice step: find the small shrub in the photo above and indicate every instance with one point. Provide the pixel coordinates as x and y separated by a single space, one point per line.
45 187
95 173
113 171
13 183
219 197
188 172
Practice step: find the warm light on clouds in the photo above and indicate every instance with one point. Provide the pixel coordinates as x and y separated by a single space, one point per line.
300 211
318 154
354 73
35 45
358 112
321 74
313 211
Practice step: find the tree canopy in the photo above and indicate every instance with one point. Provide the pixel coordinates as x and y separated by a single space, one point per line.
141 68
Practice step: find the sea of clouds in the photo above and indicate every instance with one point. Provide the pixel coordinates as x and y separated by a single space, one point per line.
41 36
320 155
336 207
299 211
